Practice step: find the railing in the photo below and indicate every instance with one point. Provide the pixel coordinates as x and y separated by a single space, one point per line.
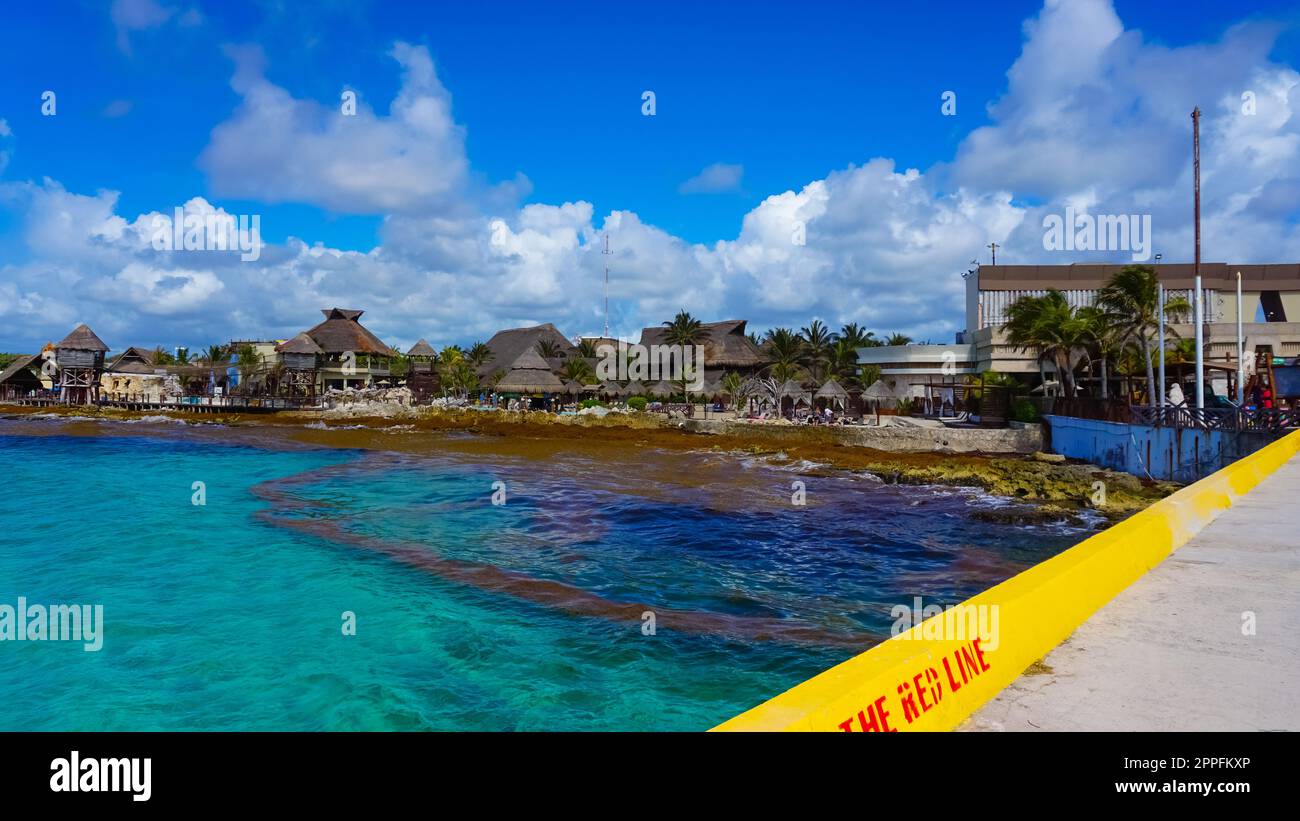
1230 419
1174 416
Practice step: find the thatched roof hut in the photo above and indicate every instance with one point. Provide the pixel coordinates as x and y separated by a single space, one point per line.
133 360
573 387
727 346
421 357
21 376
422 348
82 339
300 344
529 373
878 390
661 389
300 354
795 391
633 388
833 393
342 332
508 345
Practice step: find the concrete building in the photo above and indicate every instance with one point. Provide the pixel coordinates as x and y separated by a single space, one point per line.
1270 302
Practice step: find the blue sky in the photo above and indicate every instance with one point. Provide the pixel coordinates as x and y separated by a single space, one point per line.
545 103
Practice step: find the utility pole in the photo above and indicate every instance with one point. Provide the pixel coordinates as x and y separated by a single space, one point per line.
993 246
1200 308
1160 308
1241 350
606 253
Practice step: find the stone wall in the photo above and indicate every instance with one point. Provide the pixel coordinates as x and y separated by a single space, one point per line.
895 438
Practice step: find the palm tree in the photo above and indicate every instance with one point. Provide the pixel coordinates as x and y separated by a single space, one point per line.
817 340
214 356
785 348
732 385
161 356
1182 352
248 361
580 371
479 355
898 339
399 366
587 348
1131 302
548 348
448 364
1105 341
1051 325
685 330
843 360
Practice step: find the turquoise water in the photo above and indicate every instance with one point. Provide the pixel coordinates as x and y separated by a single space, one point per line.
470 615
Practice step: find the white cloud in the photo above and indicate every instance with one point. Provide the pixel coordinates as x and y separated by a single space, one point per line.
715 179
276 148
1092 116
5 131
137 15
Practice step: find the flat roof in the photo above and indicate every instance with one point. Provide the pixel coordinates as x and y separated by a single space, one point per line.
1087 276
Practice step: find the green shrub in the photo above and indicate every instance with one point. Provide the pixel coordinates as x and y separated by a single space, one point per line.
1024 410
590 403
637 402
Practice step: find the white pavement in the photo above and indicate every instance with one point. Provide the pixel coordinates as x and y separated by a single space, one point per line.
1169 652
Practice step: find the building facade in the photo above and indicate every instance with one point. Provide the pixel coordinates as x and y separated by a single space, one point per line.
1270 302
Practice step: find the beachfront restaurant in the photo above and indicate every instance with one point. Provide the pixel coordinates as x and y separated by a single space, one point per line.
350 355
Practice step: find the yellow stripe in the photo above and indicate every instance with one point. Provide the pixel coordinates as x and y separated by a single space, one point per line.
1036 611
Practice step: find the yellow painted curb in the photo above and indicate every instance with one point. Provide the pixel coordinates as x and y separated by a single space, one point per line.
929 679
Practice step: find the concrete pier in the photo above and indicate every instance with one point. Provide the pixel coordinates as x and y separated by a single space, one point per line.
1175 650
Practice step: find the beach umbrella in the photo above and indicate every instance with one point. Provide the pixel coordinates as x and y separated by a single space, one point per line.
833 392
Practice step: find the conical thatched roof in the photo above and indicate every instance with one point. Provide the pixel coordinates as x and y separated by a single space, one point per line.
610 389
573 387
422 348
342 332
662 388
633 388
530 374
878 390
833 390
82 339
302 343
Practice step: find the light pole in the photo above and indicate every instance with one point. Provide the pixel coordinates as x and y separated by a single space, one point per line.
1196 187
1160 311
1160 318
